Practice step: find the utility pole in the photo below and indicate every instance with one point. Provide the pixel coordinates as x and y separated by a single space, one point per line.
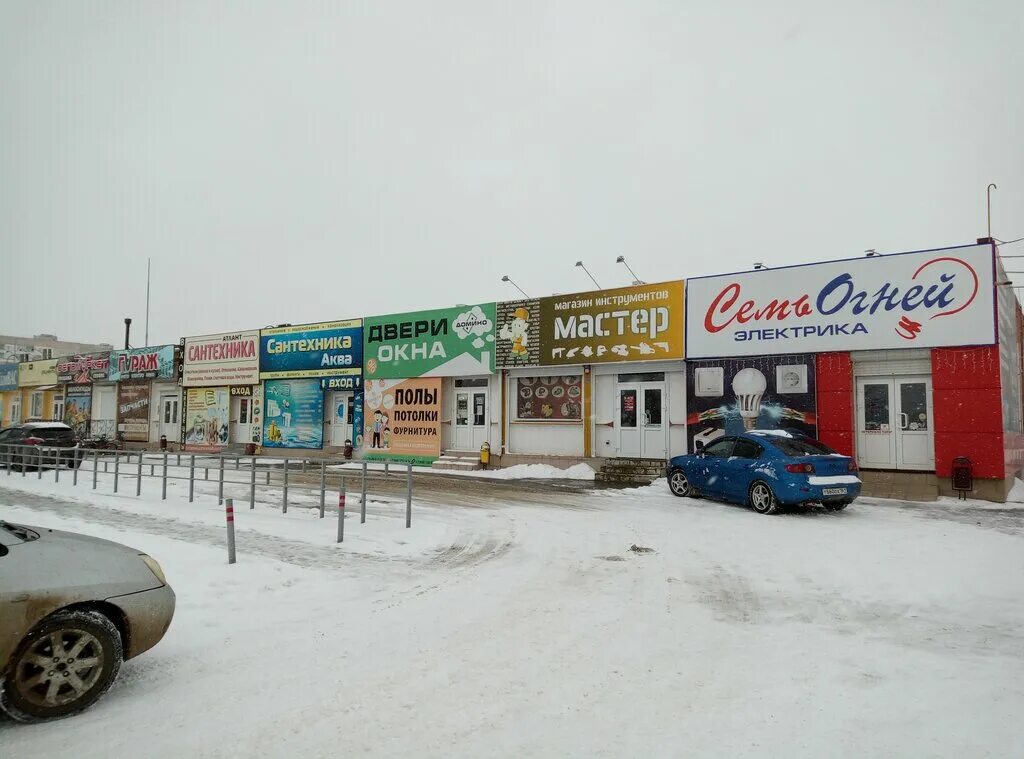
148 262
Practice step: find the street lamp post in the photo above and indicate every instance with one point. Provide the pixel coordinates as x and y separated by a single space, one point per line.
636 279
580 264
507 278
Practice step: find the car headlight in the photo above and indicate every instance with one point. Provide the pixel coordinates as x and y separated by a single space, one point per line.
154 567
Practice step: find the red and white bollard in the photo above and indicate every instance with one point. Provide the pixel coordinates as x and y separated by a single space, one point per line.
341 514
229 510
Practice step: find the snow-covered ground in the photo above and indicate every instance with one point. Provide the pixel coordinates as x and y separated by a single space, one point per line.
523 630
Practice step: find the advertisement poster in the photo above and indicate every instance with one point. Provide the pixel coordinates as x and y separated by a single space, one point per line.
8 376
232 358
293 414
329 349
78 408
641 323
730 396
205 420
924 299
357 418
402 420
155 362
447 342
555 399
133 411
81 369
36 373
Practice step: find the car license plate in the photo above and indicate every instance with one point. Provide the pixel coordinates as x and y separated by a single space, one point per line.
833 491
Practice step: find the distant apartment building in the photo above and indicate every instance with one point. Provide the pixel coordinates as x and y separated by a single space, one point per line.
42 347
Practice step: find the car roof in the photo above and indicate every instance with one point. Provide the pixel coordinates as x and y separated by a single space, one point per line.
44 426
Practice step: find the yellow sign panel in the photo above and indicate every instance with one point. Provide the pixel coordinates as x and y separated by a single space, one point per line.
35 373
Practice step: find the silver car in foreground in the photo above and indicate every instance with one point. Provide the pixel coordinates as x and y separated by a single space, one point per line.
72 608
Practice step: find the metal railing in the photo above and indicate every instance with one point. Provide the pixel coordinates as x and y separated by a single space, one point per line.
323 476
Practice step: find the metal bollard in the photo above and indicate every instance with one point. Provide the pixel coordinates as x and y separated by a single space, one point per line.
284 492
117 464
268 475
56 465
191 477
95 467
252 485
152 469
163 495
323 485
341 512
303 466
238 461
75 464
220 487
387 465
362 501
39 466
408 497
179 459
206 472
138 481
229 511
10 460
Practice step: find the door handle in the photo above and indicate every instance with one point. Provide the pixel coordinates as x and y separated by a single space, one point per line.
904 423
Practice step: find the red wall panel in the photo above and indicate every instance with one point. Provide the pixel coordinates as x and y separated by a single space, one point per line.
834 383
968 409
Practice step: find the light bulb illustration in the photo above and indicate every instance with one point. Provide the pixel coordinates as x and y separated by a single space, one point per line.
749 385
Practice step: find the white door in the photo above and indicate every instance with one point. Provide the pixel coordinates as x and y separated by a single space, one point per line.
628 421
653 429
894 423
478 418
241 419
170 422
104 411
341 417
463 429
16 409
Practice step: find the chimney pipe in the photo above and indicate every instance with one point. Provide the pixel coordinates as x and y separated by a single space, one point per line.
127 331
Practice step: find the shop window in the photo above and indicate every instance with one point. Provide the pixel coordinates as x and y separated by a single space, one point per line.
35 406
462 410
58 410
479 409
627 408
16 411
652 406
876 407
243 411
549 399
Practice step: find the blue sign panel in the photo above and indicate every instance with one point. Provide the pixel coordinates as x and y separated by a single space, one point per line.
329 349
8 376
294 414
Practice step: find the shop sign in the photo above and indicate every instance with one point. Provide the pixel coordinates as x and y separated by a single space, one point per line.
328 349
82 369
241 391
230 358
35 373
78 408
204 423
133 411
402 419
733 395
641 323
156 362
924 299
293 414
447 342
8 376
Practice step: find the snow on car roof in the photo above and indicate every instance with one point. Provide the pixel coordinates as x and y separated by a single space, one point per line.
772 433
46 425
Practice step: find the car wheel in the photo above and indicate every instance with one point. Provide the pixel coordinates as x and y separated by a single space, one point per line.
62 666
679 484
762 499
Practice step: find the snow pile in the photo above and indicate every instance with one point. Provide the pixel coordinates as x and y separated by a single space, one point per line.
1016 494
540 472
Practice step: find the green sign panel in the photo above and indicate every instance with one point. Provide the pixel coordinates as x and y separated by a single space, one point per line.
446 342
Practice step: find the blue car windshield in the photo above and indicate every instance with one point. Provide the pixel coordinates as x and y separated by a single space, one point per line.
801 446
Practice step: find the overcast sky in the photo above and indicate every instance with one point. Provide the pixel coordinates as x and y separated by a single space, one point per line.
297 161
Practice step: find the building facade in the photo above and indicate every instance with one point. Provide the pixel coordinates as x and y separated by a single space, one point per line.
42 347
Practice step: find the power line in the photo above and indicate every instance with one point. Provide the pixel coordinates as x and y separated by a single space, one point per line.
1008 242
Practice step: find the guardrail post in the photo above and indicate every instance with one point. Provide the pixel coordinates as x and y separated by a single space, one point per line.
387 467
268 475
220 487
341 512
362 501
229 511
138 474
408 497
95 467
284 491
179 459
163 495
10 459
191 476
252 485
56 465
75 464
323 485
117 463
303 466
238 462
39 466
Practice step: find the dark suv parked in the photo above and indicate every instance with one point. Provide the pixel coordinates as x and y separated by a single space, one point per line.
28 444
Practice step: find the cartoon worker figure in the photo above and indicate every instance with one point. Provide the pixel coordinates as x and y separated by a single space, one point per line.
517 331
378 427
387 432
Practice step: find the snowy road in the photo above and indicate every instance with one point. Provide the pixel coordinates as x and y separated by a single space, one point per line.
521 629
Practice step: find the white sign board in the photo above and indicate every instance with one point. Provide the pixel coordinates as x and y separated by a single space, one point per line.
924 299
232 358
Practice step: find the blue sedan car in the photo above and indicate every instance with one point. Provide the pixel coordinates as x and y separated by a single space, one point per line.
767 469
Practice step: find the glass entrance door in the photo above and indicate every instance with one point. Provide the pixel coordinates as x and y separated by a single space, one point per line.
240 417
894 423
169 422
640 420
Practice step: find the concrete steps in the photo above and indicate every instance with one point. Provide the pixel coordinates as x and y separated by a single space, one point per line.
901 486
458 461
630 472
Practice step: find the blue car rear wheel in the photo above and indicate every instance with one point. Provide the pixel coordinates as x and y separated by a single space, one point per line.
762 499
678 483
